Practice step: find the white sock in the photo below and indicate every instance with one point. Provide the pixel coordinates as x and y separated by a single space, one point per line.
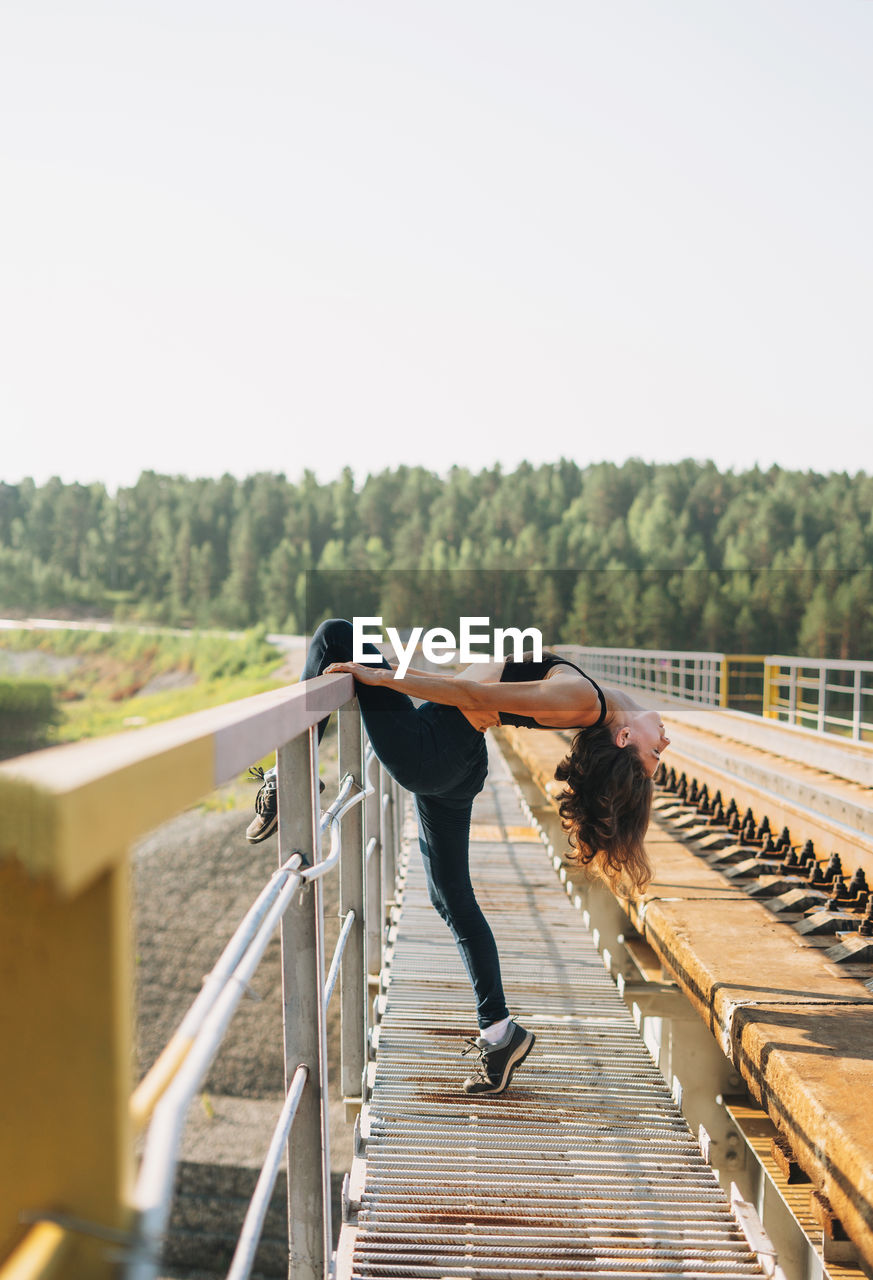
495 1033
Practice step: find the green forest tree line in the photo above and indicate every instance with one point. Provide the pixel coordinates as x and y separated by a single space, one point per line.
641 555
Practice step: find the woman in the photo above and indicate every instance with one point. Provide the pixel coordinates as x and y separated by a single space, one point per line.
437 752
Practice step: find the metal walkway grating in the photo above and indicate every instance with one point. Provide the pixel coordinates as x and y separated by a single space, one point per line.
586 1165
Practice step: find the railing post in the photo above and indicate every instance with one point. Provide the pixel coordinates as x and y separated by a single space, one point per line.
309 1227
792 692
388 871
65 1062
374 876
353 972
398 828
822 697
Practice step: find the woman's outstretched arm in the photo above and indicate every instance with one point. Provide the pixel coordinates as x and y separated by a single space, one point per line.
564 700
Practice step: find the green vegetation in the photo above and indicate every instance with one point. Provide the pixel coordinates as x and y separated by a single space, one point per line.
123 678
28 716
639 555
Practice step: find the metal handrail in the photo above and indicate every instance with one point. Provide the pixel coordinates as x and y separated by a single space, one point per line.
154 1187
347 799
691 675
156 1081
804 692
333 972
811 701
253 1225
172 1084
49 801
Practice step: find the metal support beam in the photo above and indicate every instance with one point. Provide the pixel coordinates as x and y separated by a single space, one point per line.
65 1060
375 913
309 1226
389 872
397 798
353 974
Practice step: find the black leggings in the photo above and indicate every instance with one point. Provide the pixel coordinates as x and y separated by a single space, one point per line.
434 752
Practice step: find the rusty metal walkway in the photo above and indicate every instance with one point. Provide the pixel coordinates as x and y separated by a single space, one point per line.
586 1166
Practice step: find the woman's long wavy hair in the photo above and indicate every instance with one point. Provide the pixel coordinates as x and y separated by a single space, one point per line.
605 807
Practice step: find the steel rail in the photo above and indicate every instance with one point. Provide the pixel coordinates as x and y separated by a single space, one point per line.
158 1078
371 760
154 1187
331 818
169 1088
338 806
333 972
253 1225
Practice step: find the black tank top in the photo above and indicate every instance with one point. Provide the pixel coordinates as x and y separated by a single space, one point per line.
527 669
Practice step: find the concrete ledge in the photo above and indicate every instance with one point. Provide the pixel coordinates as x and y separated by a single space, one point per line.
678 875
729 954
842 758
811 1068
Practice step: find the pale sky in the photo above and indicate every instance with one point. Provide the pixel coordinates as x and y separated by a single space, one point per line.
256 235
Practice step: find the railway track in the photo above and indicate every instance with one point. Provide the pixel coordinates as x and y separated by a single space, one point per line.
789 833
757 927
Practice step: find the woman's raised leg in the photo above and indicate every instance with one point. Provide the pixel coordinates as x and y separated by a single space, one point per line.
401 739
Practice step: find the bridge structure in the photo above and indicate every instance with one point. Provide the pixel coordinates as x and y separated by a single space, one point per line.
697 1101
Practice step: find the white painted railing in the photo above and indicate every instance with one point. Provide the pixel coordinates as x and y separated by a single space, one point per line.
689 675
826 695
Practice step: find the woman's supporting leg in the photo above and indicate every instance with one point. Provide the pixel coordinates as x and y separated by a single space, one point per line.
444 838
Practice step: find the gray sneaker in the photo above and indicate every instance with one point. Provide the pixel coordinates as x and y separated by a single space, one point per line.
498 1061
266 818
